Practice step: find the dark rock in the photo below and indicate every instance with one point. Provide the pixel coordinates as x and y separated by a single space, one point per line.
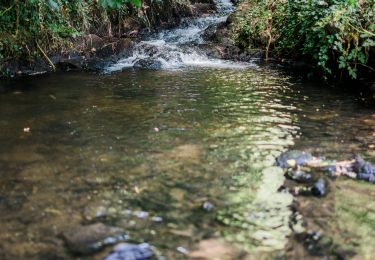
366 177
126 251
97 64
299 176
74 62
361 166
84 240
319 188
365 170
210 33
203 8
149 63
299 157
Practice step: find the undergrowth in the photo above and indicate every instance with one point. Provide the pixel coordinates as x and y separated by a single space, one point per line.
31 29
338 36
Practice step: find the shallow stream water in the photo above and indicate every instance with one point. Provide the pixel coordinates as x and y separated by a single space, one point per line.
174 157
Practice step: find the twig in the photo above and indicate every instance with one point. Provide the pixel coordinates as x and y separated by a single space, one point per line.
364 65
362 30
6 10
45 56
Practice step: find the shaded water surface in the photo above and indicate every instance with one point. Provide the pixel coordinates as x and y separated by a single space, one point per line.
170 157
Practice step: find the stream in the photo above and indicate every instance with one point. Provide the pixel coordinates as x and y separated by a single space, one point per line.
180 156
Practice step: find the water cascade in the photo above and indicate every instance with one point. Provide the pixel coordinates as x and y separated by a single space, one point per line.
179 47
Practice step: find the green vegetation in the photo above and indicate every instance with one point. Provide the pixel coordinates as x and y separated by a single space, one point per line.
119 3
32 28
337 35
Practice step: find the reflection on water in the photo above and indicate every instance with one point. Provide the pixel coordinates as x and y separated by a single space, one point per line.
171 157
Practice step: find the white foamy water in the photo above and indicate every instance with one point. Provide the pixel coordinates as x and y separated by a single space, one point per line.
175 48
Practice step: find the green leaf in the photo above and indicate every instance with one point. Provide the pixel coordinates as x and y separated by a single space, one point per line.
117 4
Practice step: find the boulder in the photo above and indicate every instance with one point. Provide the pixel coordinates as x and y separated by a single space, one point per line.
319 188
149 63
85 240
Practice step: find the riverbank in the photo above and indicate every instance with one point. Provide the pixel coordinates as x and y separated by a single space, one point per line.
91 44
247 35
332 39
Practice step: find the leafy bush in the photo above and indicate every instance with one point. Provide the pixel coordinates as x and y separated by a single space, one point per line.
337 35
28 28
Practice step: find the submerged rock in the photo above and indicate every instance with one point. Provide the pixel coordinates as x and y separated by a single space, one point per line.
148 63
293 158
322 245
319 188
355 168
127 251
84 240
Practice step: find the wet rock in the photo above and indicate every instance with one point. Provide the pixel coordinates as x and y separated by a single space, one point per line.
210 33
127 251
366 177
203 8
149 63
71 63
319 188
93 41
299 175
97 64
361 166
293 158
362 169
84 240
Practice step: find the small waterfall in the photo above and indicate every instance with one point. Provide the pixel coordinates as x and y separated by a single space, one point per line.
179 47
